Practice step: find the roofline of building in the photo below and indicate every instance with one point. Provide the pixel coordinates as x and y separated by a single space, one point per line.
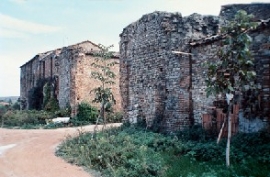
44 53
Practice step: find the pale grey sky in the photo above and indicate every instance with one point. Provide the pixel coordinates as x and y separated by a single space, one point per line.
28 27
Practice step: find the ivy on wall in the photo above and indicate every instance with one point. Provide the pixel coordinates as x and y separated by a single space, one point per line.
42 96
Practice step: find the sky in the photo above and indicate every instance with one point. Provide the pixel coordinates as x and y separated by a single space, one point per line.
29 27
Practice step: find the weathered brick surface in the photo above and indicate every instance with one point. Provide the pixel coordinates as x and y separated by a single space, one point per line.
71 68
157 83
166 89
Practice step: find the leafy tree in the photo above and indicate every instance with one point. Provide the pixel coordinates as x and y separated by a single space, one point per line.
105 76
234 72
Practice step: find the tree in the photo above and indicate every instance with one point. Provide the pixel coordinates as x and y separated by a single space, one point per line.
234 72
10 102
105 76
3 110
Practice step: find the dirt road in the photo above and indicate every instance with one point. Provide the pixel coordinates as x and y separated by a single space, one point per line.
31 153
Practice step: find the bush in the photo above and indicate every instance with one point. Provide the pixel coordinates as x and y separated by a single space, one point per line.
3 110
16 106
62 113
115 152
116 117
51 105
25 117
197 133
86 113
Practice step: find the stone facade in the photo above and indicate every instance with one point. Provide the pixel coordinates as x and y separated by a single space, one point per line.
70 68
167 89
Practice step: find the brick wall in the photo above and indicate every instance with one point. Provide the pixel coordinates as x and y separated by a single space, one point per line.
70 68
156 84
167 90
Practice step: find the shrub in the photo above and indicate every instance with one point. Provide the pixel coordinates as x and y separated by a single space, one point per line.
3 110
86 113
116 153
63 112
16 106
25 117
116 117
51 105
197 133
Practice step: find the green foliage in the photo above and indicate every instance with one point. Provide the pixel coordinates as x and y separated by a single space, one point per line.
244 147
42 96
116 152
234 71
86 113
3 110
16 106
105 76
133 151
20 119
116 117
62 112
197 133
54 125
51 105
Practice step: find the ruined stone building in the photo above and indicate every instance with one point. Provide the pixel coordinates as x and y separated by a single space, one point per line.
69 69
167 90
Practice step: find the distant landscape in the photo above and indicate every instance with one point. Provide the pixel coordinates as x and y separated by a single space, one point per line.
7 98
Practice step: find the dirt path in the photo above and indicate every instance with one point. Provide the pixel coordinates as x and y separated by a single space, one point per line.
30 153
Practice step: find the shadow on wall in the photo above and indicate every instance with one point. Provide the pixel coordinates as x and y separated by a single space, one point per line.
250 125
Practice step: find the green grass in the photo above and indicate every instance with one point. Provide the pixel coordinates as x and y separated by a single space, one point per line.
135 152
186 166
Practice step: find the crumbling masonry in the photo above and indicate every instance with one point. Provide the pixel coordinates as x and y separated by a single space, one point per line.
167 90
70 69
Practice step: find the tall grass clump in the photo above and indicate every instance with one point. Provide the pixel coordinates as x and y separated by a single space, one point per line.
116 152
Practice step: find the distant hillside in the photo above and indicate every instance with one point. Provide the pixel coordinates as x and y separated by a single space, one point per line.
6 99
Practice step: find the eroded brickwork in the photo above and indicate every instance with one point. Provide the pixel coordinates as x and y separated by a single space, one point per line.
167 89
70 68
156 82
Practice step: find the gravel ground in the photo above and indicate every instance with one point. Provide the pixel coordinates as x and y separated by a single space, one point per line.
31 153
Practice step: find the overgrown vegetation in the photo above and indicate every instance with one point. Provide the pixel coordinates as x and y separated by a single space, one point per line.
86 115
42 96
25 118
106 77
133 151
12 117
234 72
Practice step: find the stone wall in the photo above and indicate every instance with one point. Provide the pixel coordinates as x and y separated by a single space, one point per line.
38 68
165 89
70 68
156 82
201 103
206 52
